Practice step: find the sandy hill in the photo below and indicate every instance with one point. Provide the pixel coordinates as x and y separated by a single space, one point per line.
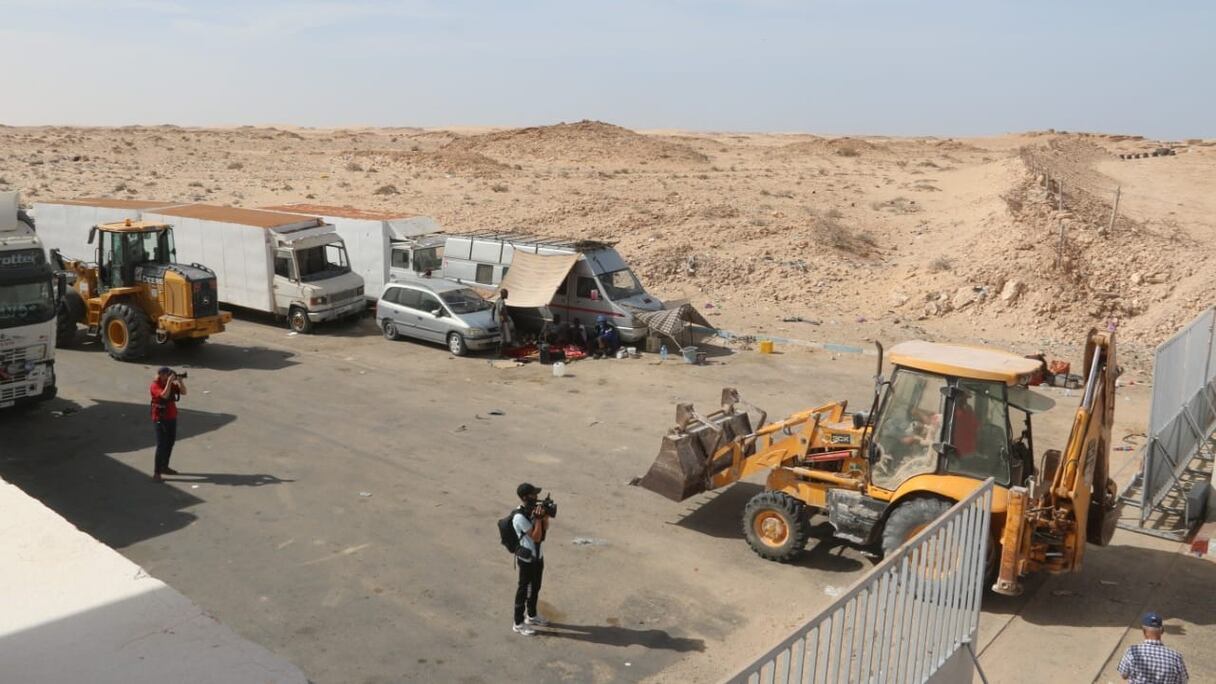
867 238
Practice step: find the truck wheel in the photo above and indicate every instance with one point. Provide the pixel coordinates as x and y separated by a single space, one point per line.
297 320
776 526
456 344
390 330
189 342
126 332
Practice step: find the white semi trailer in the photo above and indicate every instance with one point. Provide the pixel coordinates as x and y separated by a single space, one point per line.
290 265
383 246
28 302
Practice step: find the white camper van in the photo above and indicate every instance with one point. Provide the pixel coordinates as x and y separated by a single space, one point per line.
286 264
600 283
383 247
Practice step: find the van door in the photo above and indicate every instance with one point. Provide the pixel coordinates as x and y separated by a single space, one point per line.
431 326
588 297
399 263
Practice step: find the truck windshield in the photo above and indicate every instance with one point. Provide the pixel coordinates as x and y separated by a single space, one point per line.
620 284
155 247
428 259
26 303
464 301
322 261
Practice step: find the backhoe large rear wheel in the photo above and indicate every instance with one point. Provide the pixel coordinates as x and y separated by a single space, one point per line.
914 515
776 526
126 332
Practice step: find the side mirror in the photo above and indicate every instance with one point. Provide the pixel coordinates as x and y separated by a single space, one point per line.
437 313
92 234
872 452
61 285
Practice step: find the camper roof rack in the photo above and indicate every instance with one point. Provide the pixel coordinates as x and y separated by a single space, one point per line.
576 244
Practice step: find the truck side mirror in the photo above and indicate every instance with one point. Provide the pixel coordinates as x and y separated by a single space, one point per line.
872 452
92 234
61 285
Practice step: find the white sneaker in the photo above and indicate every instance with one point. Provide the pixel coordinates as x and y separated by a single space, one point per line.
524 629
536 620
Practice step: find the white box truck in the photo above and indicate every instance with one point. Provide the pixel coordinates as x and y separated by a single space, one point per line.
600 283
290 265
28 303
286 264
383 246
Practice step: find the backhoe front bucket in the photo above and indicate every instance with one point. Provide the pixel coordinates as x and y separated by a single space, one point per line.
683 466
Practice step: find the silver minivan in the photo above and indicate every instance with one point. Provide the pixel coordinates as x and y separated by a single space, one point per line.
437 311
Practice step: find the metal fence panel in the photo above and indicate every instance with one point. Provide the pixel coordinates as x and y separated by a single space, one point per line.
904 619
1183 412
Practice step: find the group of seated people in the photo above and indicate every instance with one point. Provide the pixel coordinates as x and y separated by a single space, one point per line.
602 340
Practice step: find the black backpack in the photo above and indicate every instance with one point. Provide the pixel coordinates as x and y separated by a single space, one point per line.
506 530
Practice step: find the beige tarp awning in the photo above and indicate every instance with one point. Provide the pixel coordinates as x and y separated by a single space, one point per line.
532 278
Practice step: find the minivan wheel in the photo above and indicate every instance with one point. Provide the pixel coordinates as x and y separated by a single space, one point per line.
456 344
390 330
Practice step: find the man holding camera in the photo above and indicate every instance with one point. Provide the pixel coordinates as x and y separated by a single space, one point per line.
531 523
166 389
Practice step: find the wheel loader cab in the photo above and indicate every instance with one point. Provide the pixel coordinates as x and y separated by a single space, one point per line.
123 247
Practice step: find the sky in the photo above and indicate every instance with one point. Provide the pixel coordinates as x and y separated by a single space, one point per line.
895 67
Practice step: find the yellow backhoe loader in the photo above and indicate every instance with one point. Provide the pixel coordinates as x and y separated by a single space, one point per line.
134 294
950 417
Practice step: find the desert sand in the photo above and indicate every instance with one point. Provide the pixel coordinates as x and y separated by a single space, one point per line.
801 236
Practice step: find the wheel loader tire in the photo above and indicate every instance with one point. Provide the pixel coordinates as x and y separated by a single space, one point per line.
776 526
298 321
71 310
126 332
189 342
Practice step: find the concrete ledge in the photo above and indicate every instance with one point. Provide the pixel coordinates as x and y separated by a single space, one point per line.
77 611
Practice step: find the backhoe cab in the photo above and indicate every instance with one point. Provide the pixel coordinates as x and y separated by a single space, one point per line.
134 293
950 417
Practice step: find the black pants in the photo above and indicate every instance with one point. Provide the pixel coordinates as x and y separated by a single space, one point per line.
529 588
166 435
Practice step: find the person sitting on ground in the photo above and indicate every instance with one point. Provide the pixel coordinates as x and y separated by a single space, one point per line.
577 334
554 332
607 339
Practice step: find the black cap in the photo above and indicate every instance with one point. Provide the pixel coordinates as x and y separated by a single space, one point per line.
527 489
1151 619
164 370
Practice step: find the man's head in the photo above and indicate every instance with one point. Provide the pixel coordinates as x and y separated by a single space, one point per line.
1152 625
527 492
503 293
601 319
163 373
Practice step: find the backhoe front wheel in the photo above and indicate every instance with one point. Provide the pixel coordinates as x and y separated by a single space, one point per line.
126 332
776 526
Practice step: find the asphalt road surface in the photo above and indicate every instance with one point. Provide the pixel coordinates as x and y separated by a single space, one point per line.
338 498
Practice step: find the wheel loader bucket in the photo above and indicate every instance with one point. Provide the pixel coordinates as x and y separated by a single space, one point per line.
684 464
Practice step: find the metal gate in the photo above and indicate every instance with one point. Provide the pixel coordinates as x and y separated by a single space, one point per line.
904 619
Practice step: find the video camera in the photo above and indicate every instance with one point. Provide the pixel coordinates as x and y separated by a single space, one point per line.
548 505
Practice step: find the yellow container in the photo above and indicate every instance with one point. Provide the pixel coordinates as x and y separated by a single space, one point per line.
766 346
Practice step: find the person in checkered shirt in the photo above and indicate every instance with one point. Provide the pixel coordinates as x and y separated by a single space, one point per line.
1152 662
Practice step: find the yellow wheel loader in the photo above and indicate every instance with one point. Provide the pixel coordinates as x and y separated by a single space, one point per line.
950 417
134 294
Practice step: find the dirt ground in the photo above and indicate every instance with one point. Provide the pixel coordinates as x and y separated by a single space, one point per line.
795 235
339 492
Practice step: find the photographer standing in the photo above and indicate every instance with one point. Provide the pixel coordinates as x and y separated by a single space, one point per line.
166 389
531 523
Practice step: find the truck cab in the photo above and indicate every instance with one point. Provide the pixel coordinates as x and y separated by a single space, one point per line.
28 303
313 281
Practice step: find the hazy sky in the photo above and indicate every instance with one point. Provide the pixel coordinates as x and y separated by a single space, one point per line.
828 66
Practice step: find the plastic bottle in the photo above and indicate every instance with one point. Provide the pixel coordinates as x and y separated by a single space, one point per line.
663 353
